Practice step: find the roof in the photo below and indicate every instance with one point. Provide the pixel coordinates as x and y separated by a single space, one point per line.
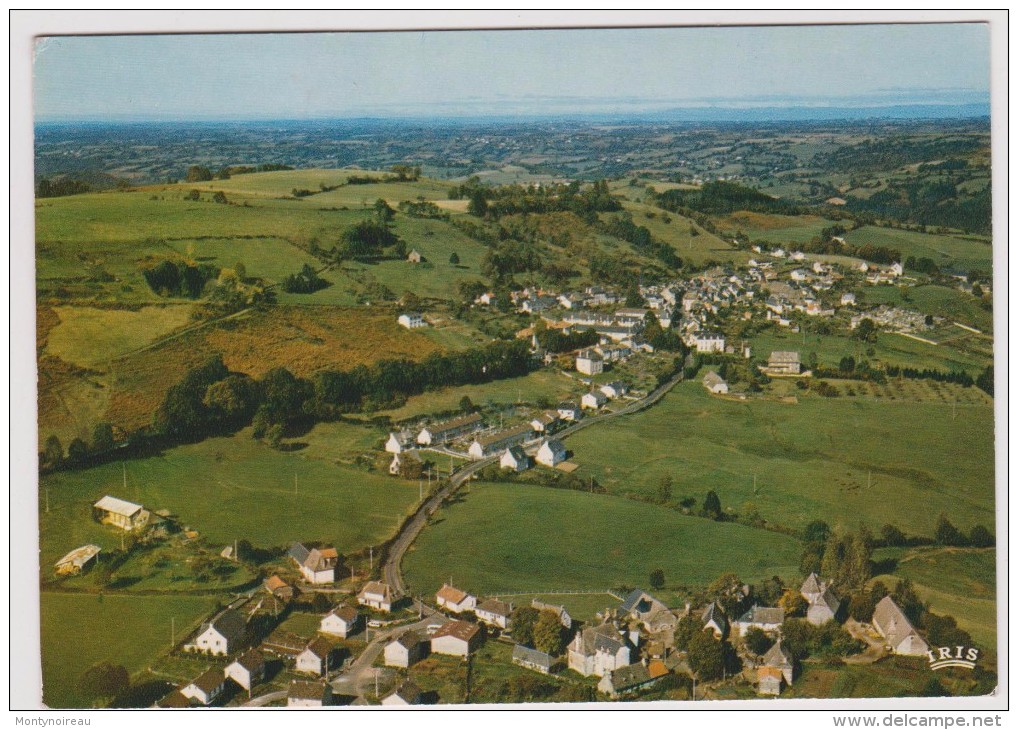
462 630
598 396
211 679
274 583
892 621
712 378
454 423
781 356
320 647
828 600
408 692
811 584
631 675
494 606
532 656
302 689
567 405
451 594
508 433
251 659
714 613
778 656
377 587
175 700
408 640
230 624
517 453
298 552
555 445
763 615
640 601
616 385
80 555
320 559
118 506
656 668
546 418
345 613
588 355
767 672
605 638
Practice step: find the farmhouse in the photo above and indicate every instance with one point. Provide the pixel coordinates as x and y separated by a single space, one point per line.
494 613
315 659
598 650
406 650
545 423
407 693
614 389
823 608
563 615
320 565
340 621
220 636
897 630
456 638
568 411
453 599
714 619
715 383
411 320
305 693
207 688
640 604
248 669
589 362
811 588
761 617
76 560
709 342
377 595
784 363
781 659
485 446
515 459
120 513
551 453
441 432
533 659
593 400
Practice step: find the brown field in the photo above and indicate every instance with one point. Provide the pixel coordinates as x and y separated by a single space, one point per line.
766 221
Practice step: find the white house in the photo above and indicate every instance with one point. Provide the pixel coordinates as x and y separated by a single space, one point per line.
848 299
551 453
485 446
715 383
447 430
897 630
598 650
406 650
532 659
568 411
248 669
376 594
494 613
453 599
411 320
545 423
320 565
341 621
397 443
593 400
456 638
515 459
710 342
207 688
120 513
315 659
407 693
589 362
762 617
614 389
304 693
221 635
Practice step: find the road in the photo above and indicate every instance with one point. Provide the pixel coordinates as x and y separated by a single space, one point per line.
391 570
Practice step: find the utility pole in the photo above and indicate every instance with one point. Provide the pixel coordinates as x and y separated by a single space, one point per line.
47 500
754 483
371 558
173 631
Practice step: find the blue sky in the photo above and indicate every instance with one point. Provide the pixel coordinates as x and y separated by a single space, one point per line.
192 77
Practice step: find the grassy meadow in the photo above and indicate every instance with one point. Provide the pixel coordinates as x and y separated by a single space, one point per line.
842 460
502 538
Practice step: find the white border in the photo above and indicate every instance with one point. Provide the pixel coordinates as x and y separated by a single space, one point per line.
25 682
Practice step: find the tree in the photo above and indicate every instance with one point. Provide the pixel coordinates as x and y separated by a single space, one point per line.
946 533
657 579
977 290
548 633
219 197
847 364
478 205
712 505
664 488
467 405
866 331
383 213
102 680
757 641
102 437
77 451
709 657
198 173
793 603
53 452
240 270
454 259
985 380
892 536
523 620
688 626
981 537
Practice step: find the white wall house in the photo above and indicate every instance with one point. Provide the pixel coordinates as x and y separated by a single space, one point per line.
589 362
376 595
220 636
551 453
454 600
247 670
341 621
411 320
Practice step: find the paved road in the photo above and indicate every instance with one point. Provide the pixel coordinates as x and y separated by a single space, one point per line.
391 570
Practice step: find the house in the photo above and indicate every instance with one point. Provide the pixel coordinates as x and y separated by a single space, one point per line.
823 608
283 644
341 621
515 459
320 565
406 650
453 599
247 670
533 659
890 621
494 613
715 383
447 430
709 342
628 679
589 362
221 635
456 638
414 256
398 442
76 560
811 588
569 411
485 446
593 400
762 617
597 650
714 619
120 513
207 688
176 700
315 659
401 462
563 615
640 604
547 422
784 363
551 453
279 588
407 693
770 681
848 299
411 320
781 659
614 389
377 595
305 693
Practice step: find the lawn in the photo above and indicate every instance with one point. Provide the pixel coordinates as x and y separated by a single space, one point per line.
697 249
843 460
127 630
88 336
501 538
953 253
231 489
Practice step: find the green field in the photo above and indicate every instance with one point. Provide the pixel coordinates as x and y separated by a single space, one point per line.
231 489
79 630
695 249
512 538
842 460
940 301
948 252
88 336
582 606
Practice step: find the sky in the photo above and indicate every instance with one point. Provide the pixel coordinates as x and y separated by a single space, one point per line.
510 72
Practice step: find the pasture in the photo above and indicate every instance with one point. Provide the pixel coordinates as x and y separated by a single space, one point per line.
940 301
88 336
123 629
695 249
506 538
956 253
843 460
